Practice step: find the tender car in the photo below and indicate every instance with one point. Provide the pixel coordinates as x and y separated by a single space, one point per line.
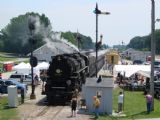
4 83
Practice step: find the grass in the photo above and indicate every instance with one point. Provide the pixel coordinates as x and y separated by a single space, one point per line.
3 59
7 113
134 106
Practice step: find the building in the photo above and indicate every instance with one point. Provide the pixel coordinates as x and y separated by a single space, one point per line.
54 47
104 89
135 54
44 53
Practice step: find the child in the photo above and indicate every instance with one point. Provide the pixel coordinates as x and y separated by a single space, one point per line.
73 105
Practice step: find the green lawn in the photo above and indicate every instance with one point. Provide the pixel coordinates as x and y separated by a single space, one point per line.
3 59
7 113
134 106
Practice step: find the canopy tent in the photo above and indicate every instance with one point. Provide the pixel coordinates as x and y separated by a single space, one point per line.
144 73
21 68
147 73
43 65
129 70
25 68
20 65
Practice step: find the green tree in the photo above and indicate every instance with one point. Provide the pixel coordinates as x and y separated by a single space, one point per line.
144 42
85 41
15 36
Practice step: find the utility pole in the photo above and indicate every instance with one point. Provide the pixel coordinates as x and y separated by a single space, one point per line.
97 12
33 60
152 50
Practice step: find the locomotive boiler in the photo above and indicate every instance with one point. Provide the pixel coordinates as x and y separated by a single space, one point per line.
68 72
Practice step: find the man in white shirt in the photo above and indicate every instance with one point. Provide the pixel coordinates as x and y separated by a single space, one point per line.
120 101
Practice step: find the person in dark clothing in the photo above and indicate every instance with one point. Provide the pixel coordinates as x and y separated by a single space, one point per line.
22 95
73 105
148 102
121 79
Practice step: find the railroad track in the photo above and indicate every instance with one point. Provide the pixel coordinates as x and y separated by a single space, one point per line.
44 113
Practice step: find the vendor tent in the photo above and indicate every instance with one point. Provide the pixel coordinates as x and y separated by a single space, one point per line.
144 73
25 68
21 68
129 70
43 65
20 65
147 73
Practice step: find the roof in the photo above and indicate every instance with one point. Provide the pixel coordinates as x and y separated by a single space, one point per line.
58 45
129 70
106 82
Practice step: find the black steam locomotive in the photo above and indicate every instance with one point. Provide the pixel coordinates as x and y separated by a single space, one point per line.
68 72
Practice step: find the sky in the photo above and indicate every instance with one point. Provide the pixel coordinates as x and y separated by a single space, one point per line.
128 18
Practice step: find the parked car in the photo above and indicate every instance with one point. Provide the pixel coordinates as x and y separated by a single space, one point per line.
157 89
137 62
157 65
23 78
4 83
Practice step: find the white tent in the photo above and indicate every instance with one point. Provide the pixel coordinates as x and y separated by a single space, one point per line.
147 73
129 70
144 73
25 68
21 68
43 65
20 65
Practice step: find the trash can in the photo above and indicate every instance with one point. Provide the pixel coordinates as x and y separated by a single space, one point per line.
12 96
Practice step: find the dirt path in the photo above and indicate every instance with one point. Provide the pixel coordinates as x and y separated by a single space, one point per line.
37 110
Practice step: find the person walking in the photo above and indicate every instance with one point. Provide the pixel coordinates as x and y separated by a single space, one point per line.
96 104
120 101
73 105
148 102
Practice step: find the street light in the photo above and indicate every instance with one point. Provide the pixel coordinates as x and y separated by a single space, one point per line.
152 50
97 12
33 60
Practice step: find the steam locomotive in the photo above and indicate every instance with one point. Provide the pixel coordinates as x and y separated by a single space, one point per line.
68 72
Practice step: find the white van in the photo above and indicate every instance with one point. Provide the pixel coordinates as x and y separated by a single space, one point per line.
20 77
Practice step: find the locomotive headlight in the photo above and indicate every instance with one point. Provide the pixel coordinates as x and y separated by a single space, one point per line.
68 82
58 71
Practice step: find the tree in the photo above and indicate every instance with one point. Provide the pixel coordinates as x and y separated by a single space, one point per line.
15 36
85 41
144 42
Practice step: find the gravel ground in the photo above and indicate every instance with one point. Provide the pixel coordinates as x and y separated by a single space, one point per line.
37 110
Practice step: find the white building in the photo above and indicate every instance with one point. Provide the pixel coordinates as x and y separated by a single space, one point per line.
136 55
104 89
44 53
53 47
